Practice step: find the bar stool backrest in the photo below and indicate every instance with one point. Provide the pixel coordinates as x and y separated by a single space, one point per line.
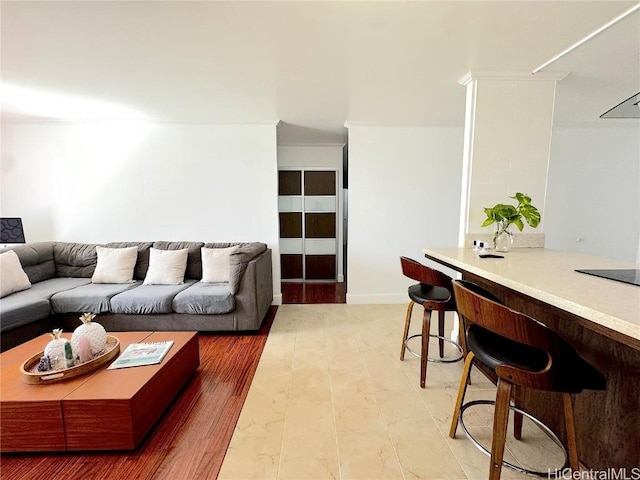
425 275
565 370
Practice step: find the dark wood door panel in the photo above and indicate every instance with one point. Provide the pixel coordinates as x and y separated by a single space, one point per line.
319 183
289 182
291 266
320 267
290 225
320 225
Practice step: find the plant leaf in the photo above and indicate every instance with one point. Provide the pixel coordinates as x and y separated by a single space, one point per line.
518 223
531 215
488 222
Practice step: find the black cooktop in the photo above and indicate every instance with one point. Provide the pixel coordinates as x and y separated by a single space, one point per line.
626 275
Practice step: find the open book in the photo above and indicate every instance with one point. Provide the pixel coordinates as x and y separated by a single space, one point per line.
138 354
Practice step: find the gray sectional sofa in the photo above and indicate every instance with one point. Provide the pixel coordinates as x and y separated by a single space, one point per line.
61 289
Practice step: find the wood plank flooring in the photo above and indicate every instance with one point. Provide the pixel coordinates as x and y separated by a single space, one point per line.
191 438
320 292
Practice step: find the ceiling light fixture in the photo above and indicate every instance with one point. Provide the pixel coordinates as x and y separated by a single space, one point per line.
626 109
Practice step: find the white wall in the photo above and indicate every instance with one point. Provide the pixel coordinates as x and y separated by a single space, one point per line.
311 156
594 190
100 182
404 195
319 157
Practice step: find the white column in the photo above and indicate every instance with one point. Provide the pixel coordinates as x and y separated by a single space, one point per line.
508 125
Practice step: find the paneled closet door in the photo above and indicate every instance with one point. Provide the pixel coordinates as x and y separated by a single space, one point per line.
307 203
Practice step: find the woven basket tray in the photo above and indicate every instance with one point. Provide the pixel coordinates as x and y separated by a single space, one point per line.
29 370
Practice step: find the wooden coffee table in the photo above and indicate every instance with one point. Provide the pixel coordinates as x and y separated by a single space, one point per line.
102 410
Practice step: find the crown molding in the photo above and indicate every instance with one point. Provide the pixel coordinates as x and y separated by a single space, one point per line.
109 121
311 144
351 123
514 76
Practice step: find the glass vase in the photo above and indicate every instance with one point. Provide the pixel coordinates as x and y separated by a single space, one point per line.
502 238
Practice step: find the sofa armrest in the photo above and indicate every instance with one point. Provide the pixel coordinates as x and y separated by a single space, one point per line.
255 293
246 253
36 260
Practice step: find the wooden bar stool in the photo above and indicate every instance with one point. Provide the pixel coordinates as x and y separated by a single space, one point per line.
523 353
434 292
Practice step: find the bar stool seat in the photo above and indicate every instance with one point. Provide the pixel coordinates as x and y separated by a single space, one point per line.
421 293
493 350
434 292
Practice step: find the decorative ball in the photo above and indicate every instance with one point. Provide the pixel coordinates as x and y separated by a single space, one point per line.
93 331
56 350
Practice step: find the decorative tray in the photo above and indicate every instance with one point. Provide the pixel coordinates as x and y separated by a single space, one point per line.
30 374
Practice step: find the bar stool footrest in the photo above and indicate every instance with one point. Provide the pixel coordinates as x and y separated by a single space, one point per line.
547 474
435 360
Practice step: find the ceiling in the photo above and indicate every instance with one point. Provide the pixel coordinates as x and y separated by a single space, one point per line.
311 65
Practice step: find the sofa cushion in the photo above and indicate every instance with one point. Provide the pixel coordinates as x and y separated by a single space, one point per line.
93 297
75 259
37 260
239 260
47 288
33 304
12 276
147 299
166 267
216 264
18 310
205 298
142 264
194 260
115 265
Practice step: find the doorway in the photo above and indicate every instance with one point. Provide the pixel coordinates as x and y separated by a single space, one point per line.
312 222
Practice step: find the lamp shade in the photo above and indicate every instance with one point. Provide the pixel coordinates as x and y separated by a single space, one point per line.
11 230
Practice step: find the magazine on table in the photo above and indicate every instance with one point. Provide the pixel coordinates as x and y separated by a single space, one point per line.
138 354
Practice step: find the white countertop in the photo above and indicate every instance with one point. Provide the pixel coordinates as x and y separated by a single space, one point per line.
611 307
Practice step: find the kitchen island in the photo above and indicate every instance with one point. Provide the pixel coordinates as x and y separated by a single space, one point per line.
598 316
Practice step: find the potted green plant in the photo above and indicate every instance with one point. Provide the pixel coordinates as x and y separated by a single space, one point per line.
504 215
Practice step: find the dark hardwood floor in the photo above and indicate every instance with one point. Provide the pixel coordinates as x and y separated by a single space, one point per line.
190 440
319 292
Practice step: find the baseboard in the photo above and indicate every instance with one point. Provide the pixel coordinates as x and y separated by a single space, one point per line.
371 299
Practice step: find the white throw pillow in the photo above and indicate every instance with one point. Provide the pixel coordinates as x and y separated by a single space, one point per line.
166 267
115 265
12 276
216 264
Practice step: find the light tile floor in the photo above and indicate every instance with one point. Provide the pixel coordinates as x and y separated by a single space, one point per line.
332 400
